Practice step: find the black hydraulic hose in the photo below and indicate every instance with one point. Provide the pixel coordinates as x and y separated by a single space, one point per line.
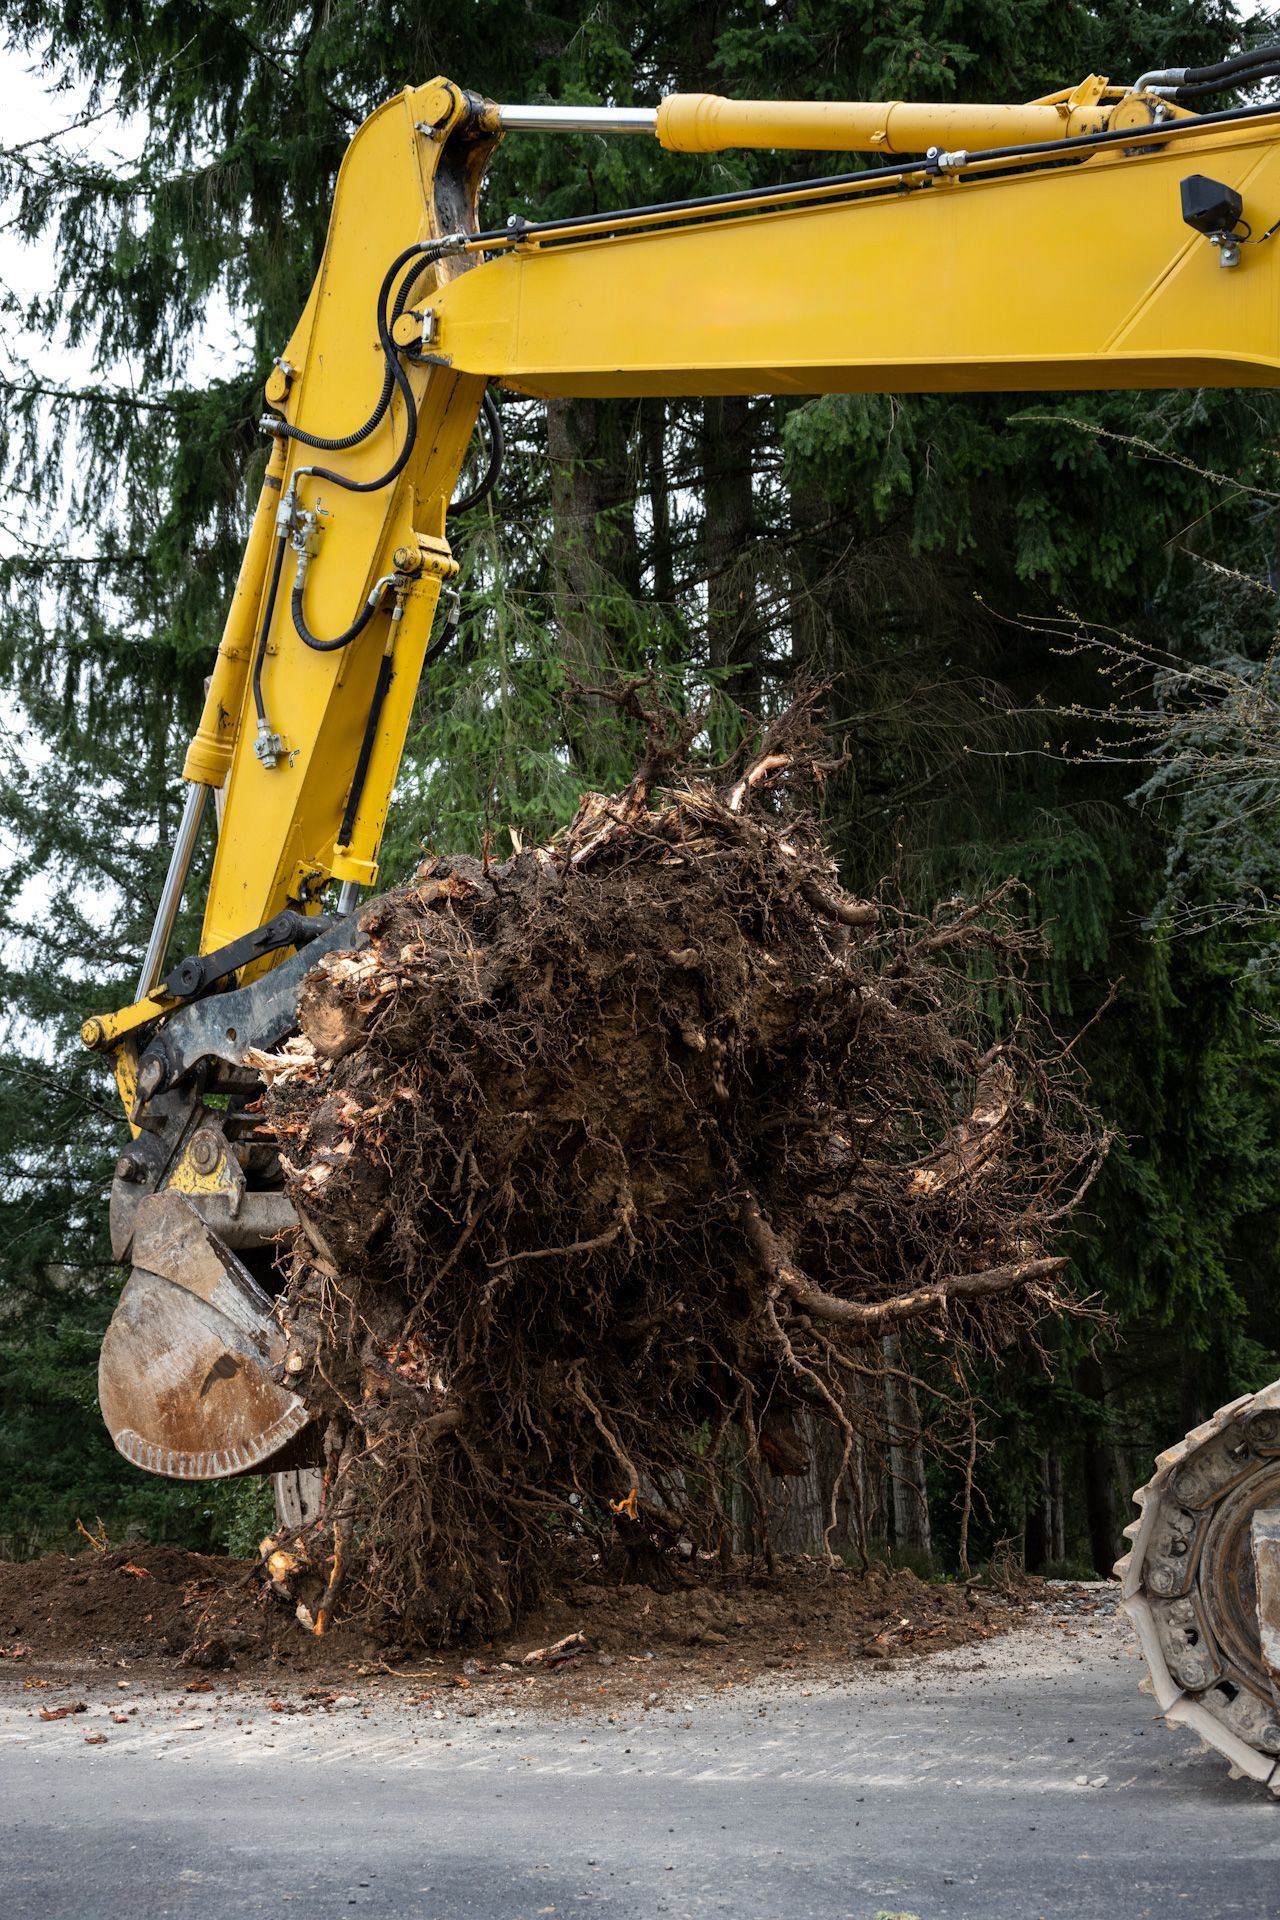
339 640
264 634
358 778
398 465
380 687
1239 63
427 250
497 448
1183 94
1221 76
343 442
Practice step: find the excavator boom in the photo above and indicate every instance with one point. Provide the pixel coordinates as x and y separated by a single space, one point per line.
986 274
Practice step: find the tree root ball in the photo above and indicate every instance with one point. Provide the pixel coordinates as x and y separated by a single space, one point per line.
618 1163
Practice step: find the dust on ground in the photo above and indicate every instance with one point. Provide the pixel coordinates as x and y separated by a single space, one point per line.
188 1623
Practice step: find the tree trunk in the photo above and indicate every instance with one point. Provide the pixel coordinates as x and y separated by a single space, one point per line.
797 1511
733 636
814 649
1057 1509
594 557
906 1455
658 486
1037 1550
1099 1471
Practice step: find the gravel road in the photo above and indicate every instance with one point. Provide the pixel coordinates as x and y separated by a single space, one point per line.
1027 1777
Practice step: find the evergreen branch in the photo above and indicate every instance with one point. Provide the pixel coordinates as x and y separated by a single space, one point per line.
48 1084
39 559
282 67
1149 449
74 126
85 396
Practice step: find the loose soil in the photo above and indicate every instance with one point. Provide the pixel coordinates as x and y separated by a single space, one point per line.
187 1621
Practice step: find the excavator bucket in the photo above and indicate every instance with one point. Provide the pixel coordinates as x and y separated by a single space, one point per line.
191 1370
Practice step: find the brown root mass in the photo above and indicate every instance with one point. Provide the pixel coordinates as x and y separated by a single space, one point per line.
618 1163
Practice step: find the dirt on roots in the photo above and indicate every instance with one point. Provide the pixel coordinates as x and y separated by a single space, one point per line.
628 1166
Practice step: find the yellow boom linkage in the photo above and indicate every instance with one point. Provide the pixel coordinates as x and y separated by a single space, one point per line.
1073 242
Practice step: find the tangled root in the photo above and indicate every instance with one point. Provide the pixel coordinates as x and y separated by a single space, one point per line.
617 1164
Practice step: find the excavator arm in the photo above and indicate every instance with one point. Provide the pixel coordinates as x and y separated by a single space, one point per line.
1102 237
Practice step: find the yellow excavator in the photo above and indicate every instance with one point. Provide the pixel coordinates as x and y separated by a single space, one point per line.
1102 237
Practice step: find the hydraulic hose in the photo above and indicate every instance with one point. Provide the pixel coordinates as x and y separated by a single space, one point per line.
1214 78
1185 94
386 670
358 778
339 640
264 633
1227 69
497 448
401 379
343 442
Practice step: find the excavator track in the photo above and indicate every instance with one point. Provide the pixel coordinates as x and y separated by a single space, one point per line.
1199 1584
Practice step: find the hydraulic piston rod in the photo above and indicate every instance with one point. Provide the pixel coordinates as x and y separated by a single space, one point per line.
705 123
174 882
570 119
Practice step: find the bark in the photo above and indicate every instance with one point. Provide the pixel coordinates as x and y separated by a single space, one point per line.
595 557
1036 1548
661 547
814 648
1057 1509
906 1453
733 635
1099 1471
798 1503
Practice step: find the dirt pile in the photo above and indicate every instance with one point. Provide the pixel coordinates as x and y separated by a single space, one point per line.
129 1602
616 1160
185 1620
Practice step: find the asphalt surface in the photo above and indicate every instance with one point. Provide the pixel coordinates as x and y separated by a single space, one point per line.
1027 1777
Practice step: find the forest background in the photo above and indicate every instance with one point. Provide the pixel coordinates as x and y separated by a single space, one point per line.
916 552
